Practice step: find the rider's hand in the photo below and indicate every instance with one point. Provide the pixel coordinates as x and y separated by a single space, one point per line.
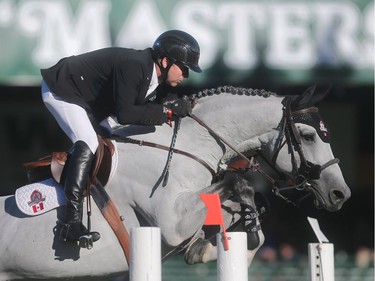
180 108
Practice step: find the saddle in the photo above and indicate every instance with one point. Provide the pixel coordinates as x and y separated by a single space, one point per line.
52 166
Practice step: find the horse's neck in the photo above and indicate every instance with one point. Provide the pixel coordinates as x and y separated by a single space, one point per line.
246 122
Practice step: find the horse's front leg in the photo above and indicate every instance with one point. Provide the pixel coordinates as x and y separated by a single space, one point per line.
189 212
204 250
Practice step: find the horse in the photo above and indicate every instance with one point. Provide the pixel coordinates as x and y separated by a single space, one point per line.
225 123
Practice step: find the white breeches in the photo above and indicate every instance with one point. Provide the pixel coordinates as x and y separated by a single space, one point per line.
72 118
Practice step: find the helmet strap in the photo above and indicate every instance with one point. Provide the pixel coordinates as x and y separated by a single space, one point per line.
165 70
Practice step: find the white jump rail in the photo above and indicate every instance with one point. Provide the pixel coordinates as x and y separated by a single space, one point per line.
232 264
145 260
145 254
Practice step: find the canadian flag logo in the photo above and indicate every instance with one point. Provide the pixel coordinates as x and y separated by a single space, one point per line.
38 207
36 201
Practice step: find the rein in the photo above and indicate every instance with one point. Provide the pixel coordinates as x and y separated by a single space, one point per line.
203 124
251 163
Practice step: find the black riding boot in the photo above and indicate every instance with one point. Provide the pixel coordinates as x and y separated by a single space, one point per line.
75 182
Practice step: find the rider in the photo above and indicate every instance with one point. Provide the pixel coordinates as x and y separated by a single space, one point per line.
82 90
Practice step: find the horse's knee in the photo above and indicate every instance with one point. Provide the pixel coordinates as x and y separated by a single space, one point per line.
242 189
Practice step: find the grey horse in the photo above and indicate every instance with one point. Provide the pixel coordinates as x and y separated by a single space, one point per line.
254 122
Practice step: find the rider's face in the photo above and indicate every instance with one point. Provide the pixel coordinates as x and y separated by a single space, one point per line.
176 73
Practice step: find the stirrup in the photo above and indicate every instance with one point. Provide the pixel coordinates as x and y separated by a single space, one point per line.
87 240
70 233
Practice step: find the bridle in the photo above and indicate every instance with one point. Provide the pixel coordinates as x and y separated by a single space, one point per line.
290 136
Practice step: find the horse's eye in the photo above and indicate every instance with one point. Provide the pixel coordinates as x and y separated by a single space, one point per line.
308 137
307 133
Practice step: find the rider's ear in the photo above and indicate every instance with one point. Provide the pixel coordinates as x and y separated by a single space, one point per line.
164 62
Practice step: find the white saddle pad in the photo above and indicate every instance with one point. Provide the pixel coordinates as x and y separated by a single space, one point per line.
40 197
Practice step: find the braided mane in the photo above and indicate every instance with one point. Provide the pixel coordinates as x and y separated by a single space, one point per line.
230 89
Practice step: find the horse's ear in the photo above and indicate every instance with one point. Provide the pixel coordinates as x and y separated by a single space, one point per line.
318 97
304 100
310 97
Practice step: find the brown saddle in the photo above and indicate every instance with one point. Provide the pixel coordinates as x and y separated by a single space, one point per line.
53 165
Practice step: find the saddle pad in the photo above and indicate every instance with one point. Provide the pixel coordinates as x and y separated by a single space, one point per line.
43 196
40 197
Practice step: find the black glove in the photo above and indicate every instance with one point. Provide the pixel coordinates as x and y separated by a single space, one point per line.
180 108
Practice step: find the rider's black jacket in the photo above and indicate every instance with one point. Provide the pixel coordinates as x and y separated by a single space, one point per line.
108 81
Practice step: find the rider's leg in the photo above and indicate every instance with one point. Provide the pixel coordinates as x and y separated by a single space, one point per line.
76 124
75 182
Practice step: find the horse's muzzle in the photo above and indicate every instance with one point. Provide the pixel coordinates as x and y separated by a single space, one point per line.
337 199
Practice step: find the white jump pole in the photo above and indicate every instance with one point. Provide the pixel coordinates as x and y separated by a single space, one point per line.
145 254
232 264
321 260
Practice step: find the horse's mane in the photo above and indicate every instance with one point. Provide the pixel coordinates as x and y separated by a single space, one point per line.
232 90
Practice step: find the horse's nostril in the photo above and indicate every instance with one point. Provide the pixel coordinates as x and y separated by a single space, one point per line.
336 196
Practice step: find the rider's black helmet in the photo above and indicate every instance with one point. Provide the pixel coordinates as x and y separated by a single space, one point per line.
178 46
